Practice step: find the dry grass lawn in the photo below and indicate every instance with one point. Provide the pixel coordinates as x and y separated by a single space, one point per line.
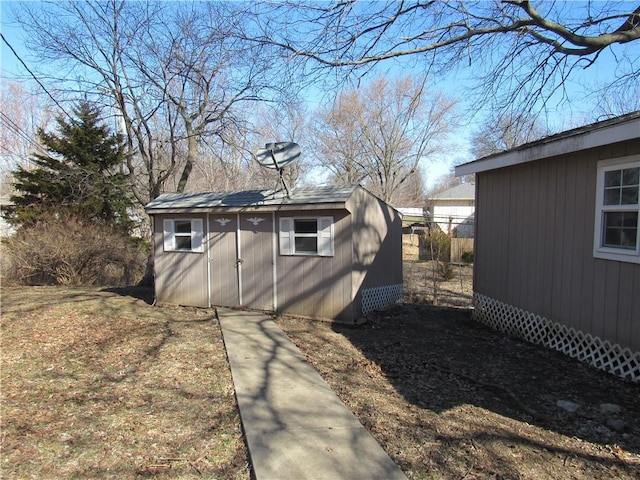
96 384
100 384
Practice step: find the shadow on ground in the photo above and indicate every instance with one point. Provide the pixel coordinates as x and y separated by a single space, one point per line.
146 294
440 358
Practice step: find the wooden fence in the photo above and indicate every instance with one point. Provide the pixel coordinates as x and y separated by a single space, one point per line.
414 247
460 246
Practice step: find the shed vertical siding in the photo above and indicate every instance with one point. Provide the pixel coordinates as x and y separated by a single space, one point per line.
377 241
256 251
377 244
180 277
542 261
313 285
222 258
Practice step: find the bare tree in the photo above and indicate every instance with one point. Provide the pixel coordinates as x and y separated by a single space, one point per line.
379 134
412 193
338 139
22 113
522 54
617 100
447 181
171 72
504 132
285 121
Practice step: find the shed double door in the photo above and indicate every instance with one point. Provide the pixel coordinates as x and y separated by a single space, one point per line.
241 260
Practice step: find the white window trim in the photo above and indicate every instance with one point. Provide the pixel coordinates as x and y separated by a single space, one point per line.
324 235
612 253
169 234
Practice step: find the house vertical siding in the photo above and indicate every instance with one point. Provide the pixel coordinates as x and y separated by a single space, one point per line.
313 285
180 277
534 237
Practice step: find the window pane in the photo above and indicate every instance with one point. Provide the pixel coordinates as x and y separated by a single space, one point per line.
629 196
612 178
631 176
306 226
183 243
612 196
612 237
183 226
630 219
621 229
613 219
306 244
629 238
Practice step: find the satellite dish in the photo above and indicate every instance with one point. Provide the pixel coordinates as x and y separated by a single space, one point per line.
278 155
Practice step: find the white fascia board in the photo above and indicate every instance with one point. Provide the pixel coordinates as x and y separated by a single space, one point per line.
561 146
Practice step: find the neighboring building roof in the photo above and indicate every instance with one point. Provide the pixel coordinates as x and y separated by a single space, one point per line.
411 211
411 215
327 197
464 191
606 132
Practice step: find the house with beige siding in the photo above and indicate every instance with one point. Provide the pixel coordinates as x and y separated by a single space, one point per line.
557 247
322 252
453 210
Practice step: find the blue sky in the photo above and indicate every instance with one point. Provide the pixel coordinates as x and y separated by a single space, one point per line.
560 116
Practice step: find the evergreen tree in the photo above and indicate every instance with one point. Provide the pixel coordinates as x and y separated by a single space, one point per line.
79 174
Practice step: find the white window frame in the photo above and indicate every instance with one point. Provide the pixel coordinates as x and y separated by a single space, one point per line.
324 234
628 255
195 234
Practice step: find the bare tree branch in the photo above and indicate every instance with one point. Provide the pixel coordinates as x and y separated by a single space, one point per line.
380 134
534 41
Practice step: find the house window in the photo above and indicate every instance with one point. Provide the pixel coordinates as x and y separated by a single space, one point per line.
306 236
183 235
618 210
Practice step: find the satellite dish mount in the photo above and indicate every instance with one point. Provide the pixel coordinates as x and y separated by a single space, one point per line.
277 156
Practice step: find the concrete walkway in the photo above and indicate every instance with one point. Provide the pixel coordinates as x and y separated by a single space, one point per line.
296 427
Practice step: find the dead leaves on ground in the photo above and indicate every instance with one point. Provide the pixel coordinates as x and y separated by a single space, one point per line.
99 385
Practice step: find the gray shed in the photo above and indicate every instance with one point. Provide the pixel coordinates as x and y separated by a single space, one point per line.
557 248
323 252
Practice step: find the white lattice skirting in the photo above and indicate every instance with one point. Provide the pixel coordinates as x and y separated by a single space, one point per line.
599 353
380 297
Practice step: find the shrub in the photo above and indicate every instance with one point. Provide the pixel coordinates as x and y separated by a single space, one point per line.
467 257
438 244
444 270
65 249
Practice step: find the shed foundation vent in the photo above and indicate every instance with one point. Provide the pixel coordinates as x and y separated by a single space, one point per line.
585 347
380 297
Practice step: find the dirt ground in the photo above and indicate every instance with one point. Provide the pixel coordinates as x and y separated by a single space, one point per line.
450 399
420 287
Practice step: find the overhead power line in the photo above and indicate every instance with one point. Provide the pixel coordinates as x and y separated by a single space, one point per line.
12 126
34 76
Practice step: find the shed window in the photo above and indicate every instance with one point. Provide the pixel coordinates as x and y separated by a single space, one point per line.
183 235
306 236
618 210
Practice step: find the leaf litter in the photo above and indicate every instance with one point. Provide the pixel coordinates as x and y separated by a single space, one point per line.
99 384
448 398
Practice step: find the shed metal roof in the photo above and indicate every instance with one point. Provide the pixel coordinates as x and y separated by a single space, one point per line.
335 196
613 130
